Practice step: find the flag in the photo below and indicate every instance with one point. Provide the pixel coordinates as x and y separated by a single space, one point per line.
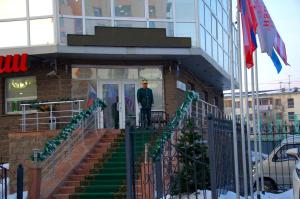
269 37
249 25
91 96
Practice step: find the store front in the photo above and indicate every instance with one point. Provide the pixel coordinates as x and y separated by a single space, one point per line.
117 86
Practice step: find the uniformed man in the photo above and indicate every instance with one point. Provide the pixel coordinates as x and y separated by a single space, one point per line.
145 100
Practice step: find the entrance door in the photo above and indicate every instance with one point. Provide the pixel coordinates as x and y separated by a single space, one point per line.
120 99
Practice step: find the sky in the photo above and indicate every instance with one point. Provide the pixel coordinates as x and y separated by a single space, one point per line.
286 17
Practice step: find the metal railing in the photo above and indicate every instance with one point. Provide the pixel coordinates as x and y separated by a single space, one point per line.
48 115
3 182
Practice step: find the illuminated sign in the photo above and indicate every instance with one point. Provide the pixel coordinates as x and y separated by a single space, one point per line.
13 63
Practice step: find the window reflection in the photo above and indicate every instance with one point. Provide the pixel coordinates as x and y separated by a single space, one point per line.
70 7
92 23
160 9
40 8
168 26
182 6
202 37
8 9
69 26
208 43
13 33
97 8
220 55
202 12
139 24
186 30
215 50
41 31
129 8
207 19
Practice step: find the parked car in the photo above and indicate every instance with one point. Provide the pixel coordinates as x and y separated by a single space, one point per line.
296 173
278 166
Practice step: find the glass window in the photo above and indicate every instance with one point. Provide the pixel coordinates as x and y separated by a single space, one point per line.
281 154
40 8
160 9
13 33
213 5
91 23
219 11
182 6
226 62
80 88
207 19
41 31
208 43
84 73
168 26
129 8
186 30
225 5
225 20
97 8
12 9
138 24
215 50
19 90
225 41
70 7
214 27
157 89
220 55
118 73
220 34
69 26
202 12
150 73
207 2
290 103
202 37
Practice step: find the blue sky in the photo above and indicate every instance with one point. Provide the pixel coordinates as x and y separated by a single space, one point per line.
286 16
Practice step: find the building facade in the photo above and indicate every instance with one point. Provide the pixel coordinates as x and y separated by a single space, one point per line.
277 108
112 44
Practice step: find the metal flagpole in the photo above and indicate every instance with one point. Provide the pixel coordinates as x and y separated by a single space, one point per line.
242 108
235 152
258 125
254 132
248 133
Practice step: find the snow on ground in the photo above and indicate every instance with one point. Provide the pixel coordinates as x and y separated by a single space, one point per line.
231 195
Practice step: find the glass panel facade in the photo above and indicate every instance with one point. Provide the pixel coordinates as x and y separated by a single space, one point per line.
168 26
70 26
40 8
118 74
182 6
91 23
98 8
186 30
122 23
160 9
42 31
13 33
12 9
207 19
70 7
129 8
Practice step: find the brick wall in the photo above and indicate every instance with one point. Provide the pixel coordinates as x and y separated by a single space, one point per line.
48 88
20 150
174 96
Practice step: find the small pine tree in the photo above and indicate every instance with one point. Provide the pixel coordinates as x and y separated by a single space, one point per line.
194 162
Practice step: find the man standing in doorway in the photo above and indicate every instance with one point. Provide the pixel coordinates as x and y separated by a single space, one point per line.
145 99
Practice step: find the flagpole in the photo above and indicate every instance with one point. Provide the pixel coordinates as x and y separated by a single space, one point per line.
254 105
242 107
248 133
258 124
235 143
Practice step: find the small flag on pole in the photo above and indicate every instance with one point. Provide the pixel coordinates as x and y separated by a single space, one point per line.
91 96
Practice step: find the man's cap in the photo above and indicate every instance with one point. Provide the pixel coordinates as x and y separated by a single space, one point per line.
144 81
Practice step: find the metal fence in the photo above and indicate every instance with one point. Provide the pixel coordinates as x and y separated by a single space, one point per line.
191 157
48 115
3 181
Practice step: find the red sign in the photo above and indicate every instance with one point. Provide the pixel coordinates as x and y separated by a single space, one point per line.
13 63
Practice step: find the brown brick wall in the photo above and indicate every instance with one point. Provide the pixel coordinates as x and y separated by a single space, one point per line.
48 88
20 150
174 96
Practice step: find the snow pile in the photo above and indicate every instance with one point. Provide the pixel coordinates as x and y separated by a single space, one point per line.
200 195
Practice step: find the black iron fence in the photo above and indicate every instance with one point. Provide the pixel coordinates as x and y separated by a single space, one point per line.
3 182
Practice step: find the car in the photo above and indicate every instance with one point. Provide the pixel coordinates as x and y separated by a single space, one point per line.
278 166
296 172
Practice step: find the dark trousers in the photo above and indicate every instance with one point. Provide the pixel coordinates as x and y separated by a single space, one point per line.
145 117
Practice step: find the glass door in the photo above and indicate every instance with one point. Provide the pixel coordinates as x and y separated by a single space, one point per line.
129 104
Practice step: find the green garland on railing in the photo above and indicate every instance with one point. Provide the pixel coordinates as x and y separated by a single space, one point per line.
52 144
181 112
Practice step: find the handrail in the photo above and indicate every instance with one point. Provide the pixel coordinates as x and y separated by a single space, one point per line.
53 144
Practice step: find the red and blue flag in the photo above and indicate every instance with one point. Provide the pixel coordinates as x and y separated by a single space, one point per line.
92 95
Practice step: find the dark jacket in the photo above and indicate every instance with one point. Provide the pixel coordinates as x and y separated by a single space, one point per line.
145 97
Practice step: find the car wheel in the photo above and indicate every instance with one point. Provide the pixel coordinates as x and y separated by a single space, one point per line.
269 186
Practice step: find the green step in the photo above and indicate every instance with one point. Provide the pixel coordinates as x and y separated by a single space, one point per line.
107 195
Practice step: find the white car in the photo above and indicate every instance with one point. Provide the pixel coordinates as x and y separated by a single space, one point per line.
296 173
278 166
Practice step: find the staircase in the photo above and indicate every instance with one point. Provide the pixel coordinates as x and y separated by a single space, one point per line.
103 172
